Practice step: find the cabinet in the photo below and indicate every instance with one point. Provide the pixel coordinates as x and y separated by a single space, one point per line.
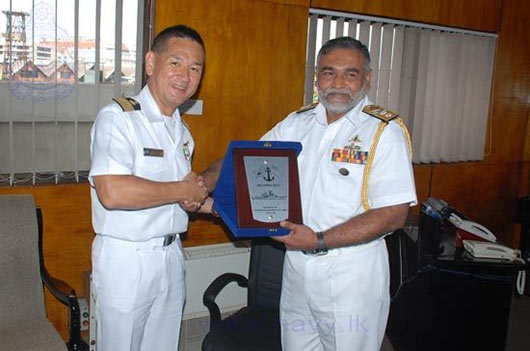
452 302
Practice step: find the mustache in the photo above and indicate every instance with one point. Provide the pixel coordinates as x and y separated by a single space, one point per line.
338 91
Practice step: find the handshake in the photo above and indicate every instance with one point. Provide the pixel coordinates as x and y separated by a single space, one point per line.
196 194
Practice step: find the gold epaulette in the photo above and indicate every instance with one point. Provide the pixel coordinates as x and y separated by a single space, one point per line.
128 104
307 107
380 113
373 147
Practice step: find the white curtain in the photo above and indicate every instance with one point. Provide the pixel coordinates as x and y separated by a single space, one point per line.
438 79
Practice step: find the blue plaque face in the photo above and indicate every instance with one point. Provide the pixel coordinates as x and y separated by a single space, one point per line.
258 187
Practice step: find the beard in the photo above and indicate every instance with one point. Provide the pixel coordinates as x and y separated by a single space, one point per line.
338 107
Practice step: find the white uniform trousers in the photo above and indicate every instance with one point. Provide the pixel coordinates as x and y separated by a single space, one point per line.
139 290
336 302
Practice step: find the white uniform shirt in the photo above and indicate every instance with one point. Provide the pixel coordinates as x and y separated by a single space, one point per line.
129 143
329 197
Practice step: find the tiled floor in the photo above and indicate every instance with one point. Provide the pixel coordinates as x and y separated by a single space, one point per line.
192 333
519 327
518 339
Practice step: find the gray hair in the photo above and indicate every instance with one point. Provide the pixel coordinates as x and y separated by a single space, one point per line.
346 43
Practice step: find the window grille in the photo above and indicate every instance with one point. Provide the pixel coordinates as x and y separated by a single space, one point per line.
51 52
437 78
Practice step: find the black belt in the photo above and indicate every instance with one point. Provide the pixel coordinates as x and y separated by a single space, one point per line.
315 253
168 239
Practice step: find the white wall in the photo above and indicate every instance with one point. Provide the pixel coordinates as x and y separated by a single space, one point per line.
200 272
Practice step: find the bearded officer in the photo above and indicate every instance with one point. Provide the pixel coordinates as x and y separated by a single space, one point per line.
356 184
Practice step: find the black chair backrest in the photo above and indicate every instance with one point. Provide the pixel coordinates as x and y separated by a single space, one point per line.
265 274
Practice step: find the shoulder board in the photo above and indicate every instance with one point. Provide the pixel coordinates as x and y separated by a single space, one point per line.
128 104
380 113
307 108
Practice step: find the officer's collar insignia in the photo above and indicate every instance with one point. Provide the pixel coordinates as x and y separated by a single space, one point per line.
380 113
307 107
186 150
127 104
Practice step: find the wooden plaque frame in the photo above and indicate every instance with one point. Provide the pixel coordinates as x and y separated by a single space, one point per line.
231 196
244 209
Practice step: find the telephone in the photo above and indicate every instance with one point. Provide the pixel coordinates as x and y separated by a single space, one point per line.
469 230
485 249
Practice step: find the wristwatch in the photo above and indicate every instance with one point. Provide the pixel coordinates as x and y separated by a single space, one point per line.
321 248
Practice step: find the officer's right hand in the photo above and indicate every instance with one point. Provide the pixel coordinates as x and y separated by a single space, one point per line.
300 237
195 191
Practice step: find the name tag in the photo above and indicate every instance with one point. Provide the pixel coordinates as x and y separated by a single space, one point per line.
153 152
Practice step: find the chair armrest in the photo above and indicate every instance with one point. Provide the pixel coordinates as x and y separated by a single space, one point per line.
215 287
65 294
60 289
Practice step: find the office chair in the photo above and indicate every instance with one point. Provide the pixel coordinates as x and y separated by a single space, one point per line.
23 322
255 327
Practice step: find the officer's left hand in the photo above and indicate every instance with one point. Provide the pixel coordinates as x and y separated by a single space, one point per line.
301 237
190 206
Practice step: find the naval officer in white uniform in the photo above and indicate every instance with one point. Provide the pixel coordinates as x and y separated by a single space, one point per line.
357 185
140 175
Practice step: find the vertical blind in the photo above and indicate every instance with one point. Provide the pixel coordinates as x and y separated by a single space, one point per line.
437 78
62 61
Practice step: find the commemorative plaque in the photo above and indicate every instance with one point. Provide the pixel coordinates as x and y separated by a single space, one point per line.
268 187
258 187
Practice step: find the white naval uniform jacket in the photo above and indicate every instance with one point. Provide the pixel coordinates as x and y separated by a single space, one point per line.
331 189
138 143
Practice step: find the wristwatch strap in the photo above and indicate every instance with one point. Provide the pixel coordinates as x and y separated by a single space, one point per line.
321 245
321 249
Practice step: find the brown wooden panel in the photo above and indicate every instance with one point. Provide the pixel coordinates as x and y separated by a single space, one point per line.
480 15
494 197
485 192
513 76
524 180
524 184
513 55
422 179
483 15
254 77
303 3
205 230
452 183
526 154
414 10
511 110
508 130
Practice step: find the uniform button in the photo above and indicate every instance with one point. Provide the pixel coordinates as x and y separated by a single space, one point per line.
344 171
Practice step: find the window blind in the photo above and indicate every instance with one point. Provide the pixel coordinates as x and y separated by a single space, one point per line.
59 68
